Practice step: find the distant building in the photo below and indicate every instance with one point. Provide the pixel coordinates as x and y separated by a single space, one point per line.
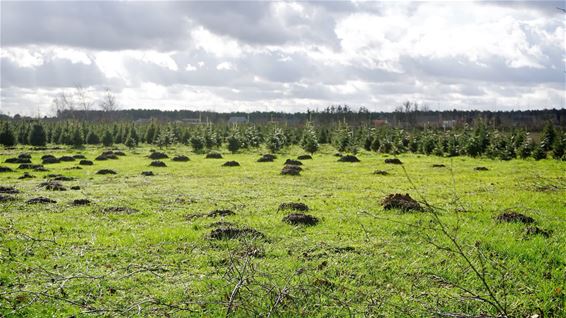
237 120
448 124
379 122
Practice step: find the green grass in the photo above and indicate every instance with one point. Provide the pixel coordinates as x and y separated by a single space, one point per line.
61 260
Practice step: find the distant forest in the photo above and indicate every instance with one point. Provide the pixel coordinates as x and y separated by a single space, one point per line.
406 116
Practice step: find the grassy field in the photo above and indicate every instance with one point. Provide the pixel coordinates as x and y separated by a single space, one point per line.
62 260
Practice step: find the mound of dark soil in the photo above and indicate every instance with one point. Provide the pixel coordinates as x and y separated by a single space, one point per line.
53 186
85 162
48 157
514 217
6 198
181 158
101 158
481 169
119 153
50 160
147 173
106 171
8 190
119 209
211 214
39 168
59 177
266 158
535 230
24 156
26 175
40 200
297 206
66 158
75 188
338 154
157 155
381 172
17 160
393 161
81 202
5 169
231 164
79 156
436 165
402 202
230 232
291 170
293 162
28 166
349 158
221 213
213 155
304 157
300 219
74 168
106 155
157 163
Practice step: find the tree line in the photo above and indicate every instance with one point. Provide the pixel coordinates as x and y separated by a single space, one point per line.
478 140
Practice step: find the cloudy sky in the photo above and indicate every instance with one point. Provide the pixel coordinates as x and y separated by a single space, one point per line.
284 55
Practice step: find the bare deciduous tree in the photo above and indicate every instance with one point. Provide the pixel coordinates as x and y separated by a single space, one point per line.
108 103
63 102
84 103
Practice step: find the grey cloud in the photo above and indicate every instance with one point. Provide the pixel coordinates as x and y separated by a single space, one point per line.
98 24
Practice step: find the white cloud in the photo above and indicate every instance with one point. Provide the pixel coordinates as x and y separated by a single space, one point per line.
214 44
226 66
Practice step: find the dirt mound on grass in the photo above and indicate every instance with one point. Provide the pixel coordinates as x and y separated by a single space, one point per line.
53 186
5 169
40 200
181 158
438 165
381 172
48 157
81 202
39 168
267 158
157 155
231 232
17 160
147 173
157 163
66 158
393 161
119 153
297 206
213 155
8 190
75 188
86 163
535 230
26 175
50 160
79 156
59 177
291 170
293 162
481 169
403 202
106 155
511 216
24 155
338 154
304 157
231 164
211 214
106 171
6 198
119 210
29 166
300 219
348 158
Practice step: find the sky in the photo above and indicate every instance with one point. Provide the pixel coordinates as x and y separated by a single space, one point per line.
284 55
